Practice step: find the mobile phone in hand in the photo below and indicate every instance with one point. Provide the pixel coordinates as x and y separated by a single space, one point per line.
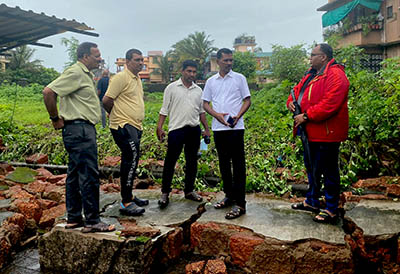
230 121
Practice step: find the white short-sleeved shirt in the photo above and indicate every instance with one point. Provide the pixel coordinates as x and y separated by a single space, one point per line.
183 105
226 95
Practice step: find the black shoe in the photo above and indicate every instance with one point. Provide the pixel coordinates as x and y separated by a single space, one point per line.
131 210
140 202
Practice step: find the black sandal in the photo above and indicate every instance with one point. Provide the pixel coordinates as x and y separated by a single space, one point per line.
74 225
302 206
325 218
236 212
193 196
225 202
164 200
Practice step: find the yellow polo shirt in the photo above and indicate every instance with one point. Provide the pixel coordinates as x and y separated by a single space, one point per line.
77 92
127 91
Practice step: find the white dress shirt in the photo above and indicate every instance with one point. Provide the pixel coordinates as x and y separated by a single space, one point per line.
226 95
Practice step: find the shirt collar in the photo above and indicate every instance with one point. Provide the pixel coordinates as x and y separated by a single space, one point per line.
180 83
130 73
229 74
82 66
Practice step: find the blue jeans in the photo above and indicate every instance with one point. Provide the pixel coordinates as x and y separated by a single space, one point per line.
82 183
325 162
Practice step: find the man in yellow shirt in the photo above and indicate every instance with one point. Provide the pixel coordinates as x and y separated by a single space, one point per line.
79 112
124 101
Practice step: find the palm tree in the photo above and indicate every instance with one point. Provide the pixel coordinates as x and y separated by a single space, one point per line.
165 66
21 59
197 46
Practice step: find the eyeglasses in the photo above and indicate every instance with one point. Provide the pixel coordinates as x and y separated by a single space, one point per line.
315 54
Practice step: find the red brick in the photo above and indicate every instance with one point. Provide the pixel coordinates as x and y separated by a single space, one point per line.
49 215
16 192
111 161
56 178
242 246
43 174
5 168
173 244
46 204
36 187
195 268
215 267
30 208
37 159
393 190
17 219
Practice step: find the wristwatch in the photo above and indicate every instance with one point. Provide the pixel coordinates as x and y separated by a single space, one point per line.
305 116
54 119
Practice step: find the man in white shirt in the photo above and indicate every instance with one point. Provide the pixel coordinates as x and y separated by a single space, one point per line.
230 97
182 103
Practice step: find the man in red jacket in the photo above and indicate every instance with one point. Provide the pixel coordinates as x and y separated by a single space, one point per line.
322 96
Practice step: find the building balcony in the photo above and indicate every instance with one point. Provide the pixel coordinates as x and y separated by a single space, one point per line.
357 37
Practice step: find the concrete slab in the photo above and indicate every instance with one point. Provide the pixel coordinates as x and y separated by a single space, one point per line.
178 211
376 217
274 218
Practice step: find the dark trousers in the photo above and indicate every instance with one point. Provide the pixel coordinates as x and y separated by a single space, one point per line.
325 162
189 139
82 184
230 148
128 140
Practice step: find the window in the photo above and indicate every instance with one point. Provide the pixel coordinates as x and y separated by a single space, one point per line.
389 12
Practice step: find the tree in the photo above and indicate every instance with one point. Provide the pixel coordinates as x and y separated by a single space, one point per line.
72 45
289 63
21 59
197 46
165 68
245 63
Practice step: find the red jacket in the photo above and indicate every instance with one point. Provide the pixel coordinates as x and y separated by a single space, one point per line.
325 102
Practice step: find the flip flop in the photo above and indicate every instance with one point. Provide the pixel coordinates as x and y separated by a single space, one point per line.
140 202
193 196
99 227
131 210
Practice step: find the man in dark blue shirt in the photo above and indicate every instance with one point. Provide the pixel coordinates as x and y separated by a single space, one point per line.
102 86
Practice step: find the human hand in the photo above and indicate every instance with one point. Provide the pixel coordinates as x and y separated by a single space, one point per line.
221 118
291 107
160 134
59 124
299 119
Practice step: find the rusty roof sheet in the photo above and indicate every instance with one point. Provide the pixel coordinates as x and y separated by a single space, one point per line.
19 27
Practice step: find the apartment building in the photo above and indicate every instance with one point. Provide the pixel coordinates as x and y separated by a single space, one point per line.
370 24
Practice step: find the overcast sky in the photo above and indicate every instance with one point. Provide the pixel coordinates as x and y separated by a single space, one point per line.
157 25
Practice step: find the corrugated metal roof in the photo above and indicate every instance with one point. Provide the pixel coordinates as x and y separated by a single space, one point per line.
19 27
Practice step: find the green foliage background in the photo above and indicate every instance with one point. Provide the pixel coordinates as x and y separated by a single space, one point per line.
273 156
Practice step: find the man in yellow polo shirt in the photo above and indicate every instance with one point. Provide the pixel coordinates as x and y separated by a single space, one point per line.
79 112
124 101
